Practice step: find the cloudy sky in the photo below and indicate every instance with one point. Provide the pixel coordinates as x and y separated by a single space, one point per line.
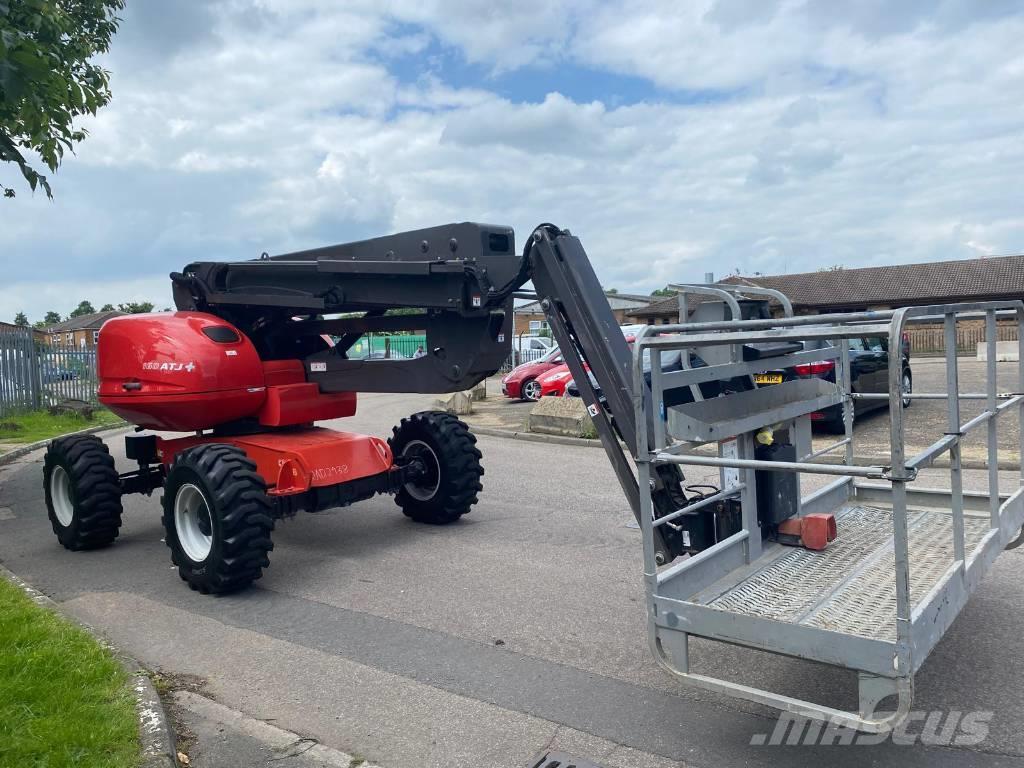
673 137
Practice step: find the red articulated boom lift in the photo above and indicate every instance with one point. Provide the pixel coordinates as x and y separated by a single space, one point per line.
244 369
257 354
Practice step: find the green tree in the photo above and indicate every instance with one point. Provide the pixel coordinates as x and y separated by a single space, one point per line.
107 308
136 307
83 308
666 291
52 318
20 319
48 78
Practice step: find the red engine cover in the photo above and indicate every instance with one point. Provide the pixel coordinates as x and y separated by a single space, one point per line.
178 372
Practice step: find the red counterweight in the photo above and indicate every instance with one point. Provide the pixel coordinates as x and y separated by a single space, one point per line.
187 371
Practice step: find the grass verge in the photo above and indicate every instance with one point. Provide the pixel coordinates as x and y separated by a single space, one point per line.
64 700
30 426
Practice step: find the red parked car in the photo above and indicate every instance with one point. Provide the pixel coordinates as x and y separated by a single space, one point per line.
522 381
555 380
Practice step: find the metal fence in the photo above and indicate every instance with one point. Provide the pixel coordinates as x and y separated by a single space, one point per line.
35 374
519 357
930 339
397 346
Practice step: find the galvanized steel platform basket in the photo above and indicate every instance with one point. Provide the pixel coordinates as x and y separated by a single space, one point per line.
879 598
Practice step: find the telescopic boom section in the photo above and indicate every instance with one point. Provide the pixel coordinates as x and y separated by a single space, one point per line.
582 321
453 281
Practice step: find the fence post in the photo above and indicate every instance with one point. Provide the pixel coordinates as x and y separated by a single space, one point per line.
37 373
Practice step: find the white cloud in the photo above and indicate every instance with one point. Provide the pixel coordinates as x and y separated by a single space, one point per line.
201 162
784 135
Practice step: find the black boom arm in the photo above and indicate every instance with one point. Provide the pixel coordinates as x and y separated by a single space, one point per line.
455 282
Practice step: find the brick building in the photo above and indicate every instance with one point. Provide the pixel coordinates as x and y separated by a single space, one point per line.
81 331
530 317
38 334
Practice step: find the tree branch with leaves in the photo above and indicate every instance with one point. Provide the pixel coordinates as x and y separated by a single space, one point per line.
48 79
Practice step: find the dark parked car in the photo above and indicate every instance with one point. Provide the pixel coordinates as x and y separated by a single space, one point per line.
869 373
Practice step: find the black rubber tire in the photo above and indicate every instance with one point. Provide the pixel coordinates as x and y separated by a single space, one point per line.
906 374
240 517
454 491
94 489
522 391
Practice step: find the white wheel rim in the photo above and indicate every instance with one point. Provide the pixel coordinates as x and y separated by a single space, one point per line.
191 516
532 390
419 491
60 496
907 389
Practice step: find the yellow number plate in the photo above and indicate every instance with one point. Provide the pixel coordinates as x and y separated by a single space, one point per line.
767 378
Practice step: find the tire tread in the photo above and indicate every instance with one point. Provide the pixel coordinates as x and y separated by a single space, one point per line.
96 488
456 449
239 497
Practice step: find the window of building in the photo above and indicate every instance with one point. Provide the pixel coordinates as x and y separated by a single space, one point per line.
538 325
69 337
95 337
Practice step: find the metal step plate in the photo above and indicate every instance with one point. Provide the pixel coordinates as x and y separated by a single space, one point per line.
850 587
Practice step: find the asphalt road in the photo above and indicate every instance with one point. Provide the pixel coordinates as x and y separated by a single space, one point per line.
479 644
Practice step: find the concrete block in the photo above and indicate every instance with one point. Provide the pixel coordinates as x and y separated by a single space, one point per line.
565 416
479 392
459 403
1006 351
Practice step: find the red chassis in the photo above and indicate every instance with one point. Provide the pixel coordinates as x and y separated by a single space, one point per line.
295 461
252 454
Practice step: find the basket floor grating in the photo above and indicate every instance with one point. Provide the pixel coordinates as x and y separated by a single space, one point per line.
850 587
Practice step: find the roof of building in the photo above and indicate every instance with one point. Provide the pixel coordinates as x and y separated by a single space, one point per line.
667 306
7 324
896 285
615 300
91 322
